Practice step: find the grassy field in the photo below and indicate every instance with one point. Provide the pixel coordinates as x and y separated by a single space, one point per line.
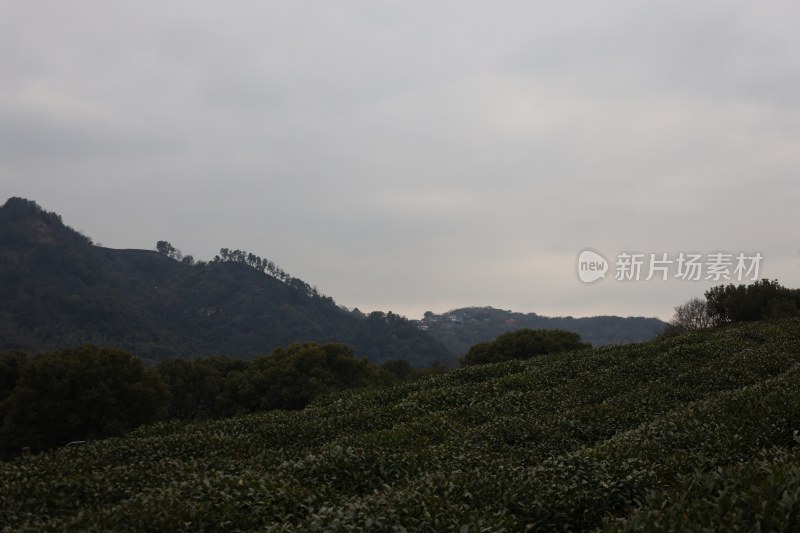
686 433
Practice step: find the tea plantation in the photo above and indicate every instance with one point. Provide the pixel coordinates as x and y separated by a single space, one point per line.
690 433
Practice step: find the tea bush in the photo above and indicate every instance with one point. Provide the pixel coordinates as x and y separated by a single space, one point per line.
696 432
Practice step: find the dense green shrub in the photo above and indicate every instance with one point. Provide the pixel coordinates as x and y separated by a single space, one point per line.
89 392
522 344
77 394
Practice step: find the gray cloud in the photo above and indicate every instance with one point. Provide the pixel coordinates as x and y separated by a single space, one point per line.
410 155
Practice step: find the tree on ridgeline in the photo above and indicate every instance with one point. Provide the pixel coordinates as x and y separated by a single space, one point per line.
268 267
167 250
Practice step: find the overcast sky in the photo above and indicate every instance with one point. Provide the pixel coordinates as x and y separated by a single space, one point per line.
412 156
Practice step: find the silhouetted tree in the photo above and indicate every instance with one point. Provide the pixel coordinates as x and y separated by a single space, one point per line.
691 316
165 248
763 299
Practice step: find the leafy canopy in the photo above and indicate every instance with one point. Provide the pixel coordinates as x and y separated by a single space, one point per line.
78 394
762 300
523 344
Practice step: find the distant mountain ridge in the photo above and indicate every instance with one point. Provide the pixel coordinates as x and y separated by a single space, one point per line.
459 329
57 289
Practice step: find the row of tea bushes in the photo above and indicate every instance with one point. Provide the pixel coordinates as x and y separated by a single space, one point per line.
678 432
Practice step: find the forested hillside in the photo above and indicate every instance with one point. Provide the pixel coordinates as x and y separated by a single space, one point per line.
57 289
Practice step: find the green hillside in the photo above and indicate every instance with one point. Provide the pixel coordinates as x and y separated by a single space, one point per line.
688 433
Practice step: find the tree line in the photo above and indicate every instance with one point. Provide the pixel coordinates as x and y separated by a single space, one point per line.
88 392
268 267
729 304
51 399
249 259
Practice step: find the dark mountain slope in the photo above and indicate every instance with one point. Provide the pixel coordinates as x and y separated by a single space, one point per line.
57 289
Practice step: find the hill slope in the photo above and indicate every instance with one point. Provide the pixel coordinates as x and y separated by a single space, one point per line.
57 289
460 329
685 433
